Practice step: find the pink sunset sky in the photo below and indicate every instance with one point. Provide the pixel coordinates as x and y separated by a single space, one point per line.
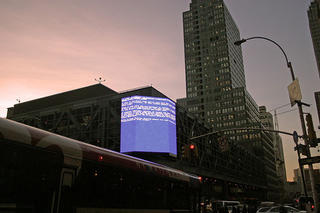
48 47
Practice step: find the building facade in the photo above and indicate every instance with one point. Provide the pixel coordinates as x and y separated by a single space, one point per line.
215 81
316 175
268 123
93 115
314 25
292 191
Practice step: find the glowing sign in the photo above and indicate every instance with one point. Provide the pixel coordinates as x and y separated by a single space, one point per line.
148 124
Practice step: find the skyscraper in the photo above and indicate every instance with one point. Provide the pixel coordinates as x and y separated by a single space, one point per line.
297 178
213 64
215 79
267 122
314 25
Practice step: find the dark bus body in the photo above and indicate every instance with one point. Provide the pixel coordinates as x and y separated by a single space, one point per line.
43 172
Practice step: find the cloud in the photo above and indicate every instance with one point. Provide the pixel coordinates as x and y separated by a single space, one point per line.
48 48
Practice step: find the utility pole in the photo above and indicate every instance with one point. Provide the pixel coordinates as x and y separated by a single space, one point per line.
304 131
295 139
295 97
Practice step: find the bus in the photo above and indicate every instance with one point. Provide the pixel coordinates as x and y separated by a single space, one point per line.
42 172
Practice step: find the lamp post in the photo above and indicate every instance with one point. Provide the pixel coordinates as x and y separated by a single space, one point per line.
299 103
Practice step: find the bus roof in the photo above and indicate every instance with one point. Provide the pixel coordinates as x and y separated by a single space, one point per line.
74 151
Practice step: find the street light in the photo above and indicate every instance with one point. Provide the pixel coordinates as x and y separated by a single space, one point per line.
238 43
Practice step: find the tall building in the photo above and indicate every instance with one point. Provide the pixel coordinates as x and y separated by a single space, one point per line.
314 25
215 80
316 175
292 191
267 122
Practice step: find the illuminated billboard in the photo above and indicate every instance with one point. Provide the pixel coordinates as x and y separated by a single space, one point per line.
148 124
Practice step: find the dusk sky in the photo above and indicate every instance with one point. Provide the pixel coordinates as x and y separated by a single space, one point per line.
48 47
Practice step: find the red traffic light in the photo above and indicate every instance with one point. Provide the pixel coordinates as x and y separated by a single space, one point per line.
191 146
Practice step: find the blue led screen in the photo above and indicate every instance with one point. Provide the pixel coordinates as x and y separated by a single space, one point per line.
148 124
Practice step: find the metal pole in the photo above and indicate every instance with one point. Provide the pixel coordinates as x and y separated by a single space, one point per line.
314 193
304 131
234 129
302 171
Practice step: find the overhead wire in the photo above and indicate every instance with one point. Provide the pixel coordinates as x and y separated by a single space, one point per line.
284 105
291 110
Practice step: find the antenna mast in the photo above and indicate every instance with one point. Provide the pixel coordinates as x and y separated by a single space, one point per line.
100 80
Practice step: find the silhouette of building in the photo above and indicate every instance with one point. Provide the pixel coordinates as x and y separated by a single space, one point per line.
267 122
93 115
215 81
316 175
314 25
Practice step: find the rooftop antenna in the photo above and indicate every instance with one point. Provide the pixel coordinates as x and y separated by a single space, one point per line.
276 124
100 80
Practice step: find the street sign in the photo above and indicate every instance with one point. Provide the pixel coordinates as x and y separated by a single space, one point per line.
311 160
295 137
294 92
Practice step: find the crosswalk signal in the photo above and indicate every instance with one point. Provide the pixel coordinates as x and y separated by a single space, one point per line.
313 142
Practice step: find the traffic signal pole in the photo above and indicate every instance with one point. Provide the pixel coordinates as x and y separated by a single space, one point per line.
302 174
295 139
304 132
305 138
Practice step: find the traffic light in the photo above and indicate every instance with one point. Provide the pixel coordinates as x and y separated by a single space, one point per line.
189 152
183 151
313 142
192 146
193 149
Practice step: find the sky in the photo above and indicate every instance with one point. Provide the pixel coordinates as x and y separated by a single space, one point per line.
48 47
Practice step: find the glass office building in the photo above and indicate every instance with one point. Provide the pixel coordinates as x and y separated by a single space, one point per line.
215 80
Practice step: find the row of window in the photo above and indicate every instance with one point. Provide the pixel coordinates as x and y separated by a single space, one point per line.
225 117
